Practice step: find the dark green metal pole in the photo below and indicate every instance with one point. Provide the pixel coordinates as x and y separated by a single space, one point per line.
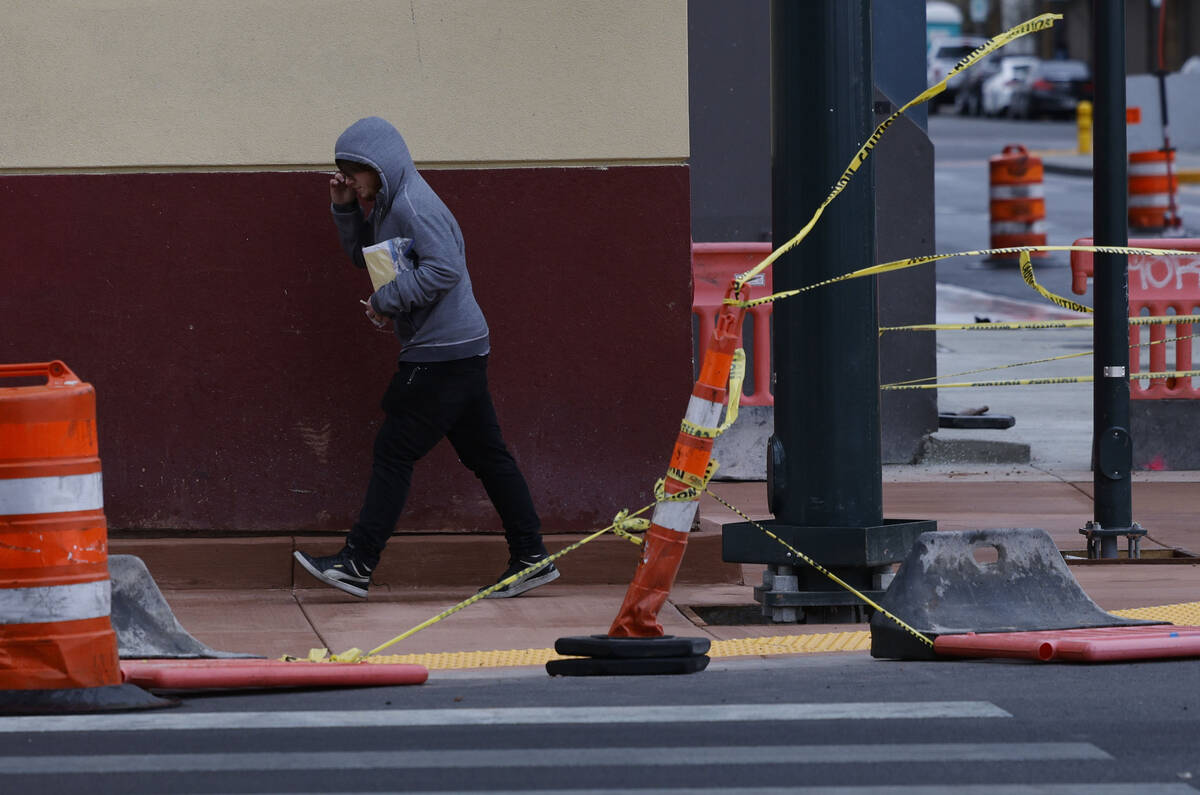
824 471
1113 450
825 455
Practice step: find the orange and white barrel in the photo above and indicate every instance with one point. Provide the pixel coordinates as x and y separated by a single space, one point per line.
1016 203
55 630
1152 189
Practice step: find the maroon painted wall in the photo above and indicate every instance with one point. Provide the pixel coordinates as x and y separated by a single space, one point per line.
238 383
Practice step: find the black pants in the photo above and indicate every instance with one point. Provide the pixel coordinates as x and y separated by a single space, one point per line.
423 403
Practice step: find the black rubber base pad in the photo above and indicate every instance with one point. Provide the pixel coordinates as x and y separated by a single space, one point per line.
611 666
110 698
631 648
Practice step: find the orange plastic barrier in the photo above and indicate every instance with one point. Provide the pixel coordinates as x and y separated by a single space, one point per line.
1016 202
1152 189
55 631
713 266
1104 644
1157 286
226 674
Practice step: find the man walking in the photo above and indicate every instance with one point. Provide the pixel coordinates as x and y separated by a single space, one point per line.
440 388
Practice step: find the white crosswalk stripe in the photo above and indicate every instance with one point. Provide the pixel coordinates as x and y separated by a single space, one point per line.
317 719
639 756
157 747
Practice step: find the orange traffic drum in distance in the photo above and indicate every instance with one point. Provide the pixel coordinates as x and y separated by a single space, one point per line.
1017 205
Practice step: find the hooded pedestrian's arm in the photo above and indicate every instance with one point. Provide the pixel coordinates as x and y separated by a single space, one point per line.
439 265
353 231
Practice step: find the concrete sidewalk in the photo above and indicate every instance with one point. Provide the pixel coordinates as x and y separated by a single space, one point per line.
291 613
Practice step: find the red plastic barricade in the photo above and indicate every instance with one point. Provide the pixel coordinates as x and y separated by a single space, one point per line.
713 266
1157 286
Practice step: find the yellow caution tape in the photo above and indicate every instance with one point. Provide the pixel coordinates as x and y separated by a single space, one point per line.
1012 366
1139 320
1078 379
624 525
622 520
800 555
1164 320
1027 275
737 376
1163 341
909 262
1041 22
695 485
990 326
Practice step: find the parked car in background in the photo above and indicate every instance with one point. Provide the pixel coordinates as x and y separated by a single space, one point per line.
968 100
997 90
944 55
1054 88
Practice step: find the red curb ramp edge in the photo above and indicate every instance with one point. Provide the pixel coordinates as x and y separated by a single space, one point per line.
234 674
1105 644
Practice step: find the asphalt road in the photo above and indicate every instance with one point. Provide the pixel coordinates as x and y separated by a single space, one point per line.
842 724
962 146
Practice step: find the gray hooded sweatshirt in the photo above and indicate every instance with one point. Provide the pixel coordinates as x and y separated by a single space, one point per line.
434 311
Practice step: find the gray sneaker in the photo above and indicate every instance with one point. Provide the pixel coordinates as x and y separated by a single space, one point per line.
340 570
530 581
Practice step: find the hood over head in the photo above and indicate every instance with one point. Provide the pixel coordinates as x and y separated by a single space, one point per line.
374 142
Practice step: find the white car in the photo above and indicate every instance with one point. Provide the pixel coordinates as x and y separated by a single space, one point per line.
1015 70
944 55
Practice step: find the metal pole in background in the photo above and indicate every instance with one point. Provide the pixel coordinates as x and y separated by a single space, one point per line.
1173 221
1111 443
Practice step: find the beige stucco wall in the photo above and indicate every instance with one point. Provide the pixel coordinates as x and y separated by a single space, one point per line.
98 84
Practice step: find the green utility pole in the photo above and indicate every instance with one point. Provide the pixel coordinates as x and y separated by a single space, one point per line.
1112 447
827 380
824 480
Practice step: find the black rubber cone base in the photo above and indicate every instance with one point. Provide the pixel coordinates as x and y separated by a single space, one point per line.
616 666
631 648
110 698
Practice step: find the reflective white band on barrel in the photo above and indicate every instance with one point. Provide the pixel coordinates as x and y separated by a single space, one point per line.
1158 169
1018 228
1149 200
55 603
53 494
1031 190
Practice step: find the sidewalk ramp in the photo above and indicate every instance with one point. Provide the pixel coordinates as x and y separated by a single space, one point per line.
144 623
998 580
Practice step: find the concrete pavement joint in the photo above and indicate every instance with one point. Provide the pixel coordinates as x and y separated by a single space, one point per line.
312 625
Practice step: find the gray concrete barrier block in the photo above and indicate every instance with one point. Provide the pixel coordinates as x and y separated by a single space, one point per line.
144 622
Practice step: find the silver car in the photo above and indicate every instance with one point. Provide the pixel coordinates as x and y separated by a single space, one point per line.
944 55
1015 71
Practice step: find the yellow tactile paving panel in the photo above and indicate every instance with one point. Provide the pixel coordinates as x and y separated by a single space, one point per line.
1186 614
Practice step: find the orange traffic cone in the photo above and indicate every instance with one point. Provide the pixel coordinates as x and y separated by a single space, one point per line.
58 651
635 643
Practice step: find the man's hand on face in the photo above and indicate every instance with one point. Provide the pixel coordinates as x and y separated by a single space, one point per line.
340 191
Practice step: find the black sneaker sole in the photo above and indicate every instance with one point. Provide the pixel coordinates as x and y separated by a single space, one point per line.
350 588
516 589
